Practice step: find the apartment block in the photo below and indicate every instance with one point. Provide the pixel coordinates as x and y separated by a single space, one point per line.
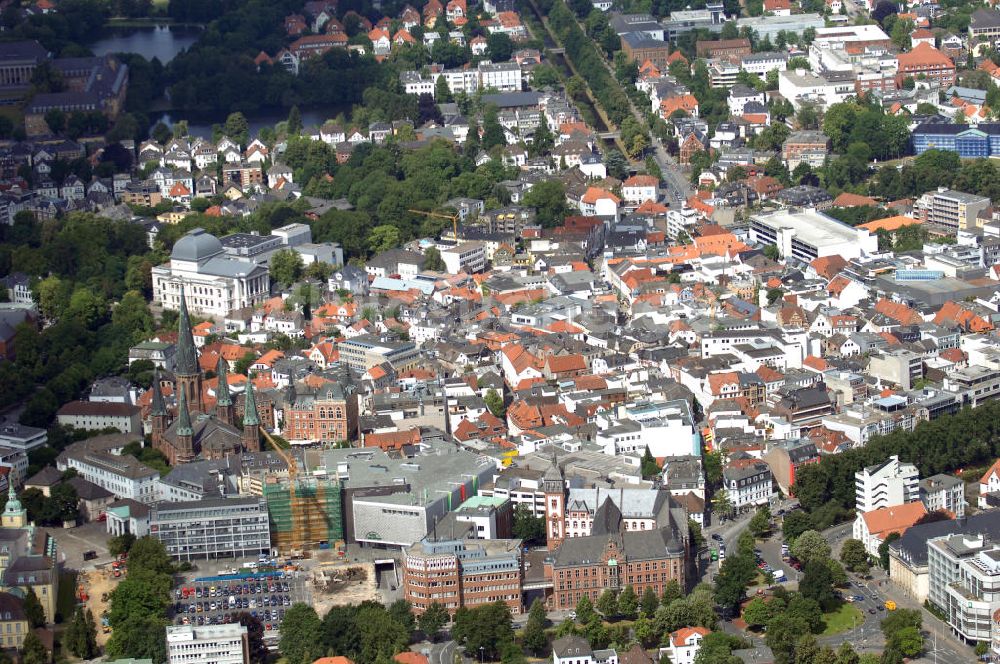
886 484
954 210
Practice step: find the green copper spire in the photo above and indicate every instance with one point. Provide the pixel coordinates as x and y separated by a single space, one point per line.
184 427
250 416
13 504
222 397
187 355
159 405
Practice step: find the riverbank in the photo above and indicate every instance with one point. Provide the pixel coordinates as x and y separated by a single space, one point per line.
149 22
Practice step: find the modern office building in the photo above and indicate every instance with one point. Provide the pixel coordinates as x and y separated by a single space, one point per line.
212 528
808 234
886 484
208 644
969 142
964 582
463 573
366 351
955 210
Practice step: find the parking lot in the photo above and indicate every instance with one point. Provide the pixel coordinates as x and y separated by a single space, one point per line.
219 599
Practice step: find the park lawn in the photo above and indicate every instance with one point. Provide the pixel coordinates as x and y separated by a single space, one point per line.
841 620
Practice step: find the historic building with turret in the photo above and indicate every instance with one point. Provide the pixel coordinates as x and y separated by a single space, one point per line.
201 430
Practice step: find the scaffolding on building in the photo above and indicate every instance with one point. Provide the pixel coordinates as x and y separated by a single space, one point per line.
304 516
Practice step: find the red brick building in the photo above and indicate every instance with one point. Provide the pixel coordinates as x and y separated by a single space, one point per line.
723 47
328 415
463 573
928 62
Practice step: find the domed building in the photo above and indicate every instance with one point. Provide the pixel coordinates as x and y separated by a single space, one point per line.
213 281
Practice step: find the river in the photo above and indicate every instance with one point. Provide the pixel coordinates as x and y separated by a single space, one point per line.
159 41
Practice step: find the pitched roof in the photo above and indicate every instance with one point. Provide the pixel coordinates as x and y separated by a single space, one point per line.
889 223
895 519
847 199
683 635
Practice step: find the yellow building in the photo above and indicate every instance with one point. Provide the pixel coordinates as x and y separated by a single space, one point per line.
27 557
13 622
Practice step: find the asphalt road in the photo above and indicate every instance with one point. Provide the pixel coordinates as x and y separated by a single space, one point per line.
942 646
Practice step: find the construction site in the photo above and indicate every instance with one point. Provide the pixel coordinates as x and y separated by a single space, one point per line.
338 583
304 514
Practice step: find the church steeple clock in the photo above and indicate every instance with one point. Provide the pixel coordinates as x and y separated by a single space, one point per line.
554 486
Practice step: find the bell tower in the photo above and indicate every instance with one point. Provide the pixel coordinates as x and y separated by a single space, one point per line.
251 421
223 401
554 486
158 415
187 371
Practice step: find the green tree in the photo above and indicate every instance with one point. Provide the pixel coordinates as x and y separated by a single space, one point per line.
649 467
149 554
33 650
300 635
908 641
757 613
139 637
121 544
549 200
495 403
760 523
527 526
382 238
256 647
286 266
883 549
140 594
237 128
771 251
735 574
584 610
628 603
817 584
294 122
607 604
721 503
810 546
671 592
432 620
649 602
433 260
492 130
33 610
486 629
81 635
794 524
534 639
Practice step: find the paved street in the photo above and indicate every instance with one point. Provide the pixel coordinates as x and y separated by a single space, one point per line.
941 645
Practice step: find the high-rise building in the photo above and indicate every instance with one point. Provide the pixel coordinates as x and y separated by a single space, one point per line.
886 484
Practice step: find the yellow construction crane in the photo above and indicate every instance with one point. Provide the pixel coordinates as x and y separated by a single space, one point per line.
306 507
452 217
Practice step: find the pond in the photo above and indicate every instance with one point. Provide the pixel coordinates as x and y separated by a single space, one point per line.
158 41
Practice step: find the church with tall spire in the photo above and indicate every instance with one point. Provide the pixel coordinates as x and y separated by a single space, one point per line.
199 430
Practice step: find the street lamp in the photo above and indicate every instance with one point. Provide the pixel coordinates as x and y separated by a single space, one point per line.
482 649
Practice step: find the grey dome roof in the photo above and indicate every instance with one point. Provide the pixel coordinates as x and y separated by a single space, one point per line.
196 246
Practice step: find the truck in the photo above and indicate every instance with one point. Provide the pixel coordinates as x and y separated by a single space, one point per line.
779 576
